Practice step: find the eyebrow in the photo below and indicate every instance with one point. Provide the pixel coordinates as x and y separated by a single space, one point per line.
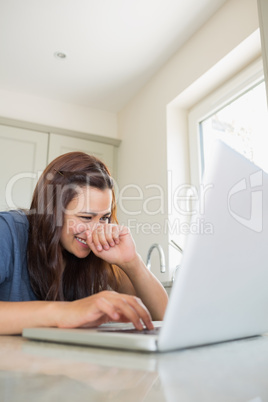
95 213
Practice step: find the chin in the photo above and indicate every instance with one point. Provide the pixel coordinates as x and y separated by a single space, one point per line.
82 255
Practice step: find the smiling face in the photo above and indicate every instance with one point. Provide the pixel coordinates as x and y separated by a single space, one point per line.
91 206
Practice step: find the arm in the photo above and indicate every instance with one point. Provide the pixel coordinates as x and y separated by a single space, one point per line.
141 282
115 245
88 312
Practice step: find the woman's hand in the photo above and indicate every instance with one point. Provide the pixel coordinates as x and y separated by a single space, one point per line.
115 245
112 243
103 307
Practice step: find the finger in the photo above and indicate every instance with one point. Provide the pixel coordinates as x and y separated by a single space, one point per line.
108 308
109 231
121 307
142 311
99 238
106 236
135 311
123 230
89 236
112 233
115 233
128 313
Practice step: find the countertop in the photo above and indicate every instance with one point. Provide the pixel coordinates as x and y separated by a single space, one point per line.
49 372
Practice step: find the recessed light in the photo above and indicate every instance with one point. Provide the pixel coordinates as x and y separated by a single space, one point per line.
60 55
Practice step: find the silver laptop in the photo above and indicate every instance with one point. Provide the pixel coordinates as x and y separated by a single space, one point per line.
221 290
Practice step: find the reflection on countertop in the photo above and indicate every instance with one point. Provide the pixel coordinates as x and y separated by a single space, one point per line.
41 372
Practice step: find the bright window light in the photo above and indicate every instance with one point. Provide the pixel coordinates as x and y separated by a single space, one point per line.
242 124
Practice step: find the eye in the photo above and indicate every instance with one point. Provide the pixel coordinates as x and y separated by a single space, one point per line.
105 219
86 217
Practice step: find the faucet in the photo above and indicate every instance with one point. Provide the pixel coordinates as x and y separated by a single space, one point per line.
161 255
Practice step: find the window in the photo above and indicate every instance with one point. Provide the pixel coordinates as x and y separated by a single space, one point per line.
236 114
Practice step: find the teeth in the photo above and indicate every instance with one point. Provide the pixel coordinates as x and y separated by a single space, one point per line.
81 240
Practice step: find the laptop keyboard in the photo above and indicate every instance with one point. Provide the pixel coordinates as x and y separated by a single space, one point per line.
154 331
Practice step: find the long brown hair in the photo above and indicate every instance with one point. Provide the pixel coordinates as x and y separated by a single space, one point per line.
56 187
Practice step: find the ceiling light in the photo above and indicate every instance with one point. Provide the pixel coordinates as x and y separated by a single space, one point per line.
60 55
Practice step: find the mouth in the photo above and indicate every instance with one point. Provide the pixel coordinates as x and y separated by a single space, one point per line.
82 241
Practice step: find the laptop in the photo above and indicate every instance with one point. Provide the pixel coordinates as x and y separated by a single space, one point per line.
221 290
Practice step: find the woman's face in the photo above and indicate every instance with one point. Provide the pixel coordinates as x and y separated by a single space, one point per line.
89 207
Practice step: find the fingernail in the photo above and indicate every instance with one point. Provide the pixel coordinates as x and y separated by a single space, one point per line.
140 326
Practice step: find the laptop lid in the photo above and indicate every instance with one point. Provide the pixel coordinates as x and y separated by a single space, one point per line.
221 292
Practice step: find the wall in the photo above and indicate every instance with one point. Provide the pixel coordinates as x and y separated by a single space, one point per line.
263 17
147 150
57 114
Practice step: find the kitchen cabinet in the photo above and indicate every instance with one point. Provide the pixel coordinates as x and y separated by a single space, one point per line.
23 156
25 152
60 144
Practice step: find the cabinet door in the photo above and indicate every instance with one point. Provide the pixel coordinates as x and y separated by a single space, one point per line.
23 156
61 144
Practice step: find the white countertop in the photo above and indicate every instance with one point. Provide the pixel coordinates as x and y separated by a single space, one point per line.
32 371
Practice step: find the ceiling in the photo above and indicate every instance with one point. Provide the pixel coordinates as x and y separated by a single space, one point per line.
112 47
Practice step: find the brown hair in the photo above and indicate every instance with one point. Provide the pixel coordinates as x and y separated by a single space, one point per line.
56 187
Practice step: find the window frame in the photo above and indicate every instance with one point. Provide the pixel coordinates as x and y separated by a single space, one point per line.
232 89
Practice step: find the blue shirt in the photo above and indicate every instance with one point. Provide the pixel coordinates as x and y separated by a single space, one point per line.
14 277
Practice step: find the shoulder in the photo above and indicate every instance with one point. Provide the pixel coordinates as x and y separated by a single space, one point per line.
13 225
18 216
14 218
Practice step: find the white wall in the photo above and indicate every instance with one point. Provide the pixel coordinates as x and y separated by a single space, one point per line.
145 154
48 112
263 17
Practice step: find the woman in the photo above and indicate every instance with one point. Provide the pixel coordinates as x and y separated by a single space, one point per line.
66 262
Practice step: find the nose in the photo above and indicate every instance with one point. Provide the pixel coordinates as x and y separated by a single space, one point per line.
93 224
